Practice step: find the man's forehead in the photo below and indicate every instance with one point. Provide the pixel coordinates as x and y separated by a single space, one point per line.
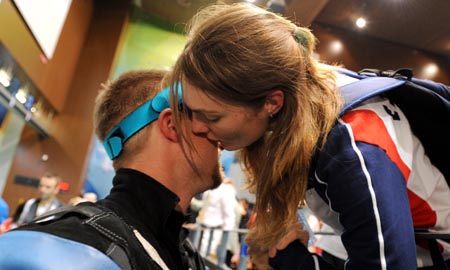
47 179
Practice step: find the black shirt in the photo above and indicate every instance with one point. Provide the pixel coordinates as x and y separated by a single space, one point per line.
149 207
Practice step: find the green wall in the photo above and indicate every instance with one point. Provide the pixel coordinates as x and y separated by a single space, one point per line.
148 43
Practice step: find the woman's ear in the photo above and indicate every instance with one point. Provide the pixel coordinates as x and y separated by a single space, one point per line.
274 102
166 124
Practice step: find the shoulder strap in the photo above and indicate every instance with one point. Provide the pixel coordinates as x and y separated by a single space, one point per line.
84 210
125 249
359 91
91 212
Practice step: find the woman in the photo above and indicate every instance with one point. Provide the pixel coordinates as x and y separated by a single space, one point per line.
250 81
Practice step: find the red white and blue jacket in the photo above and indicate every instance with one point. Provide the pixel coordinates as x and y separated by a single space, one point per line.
374 185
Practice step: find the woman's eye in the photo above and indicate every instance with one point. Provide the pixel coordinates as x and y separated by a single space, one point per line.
212 119
186 110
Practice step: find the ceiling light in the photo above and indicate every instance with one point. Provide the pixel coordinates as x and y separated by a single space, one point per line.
5 79
361 22
21 96
336 47
430 70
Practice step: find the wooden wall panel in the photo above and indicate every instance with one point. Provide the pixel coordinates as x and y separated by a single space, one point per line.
71 131
19 41
51 76
61 67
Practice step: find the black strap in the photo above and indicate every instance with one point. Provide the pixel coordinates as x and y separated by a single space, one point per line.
84 210
356 92
436 255
402 73
125 249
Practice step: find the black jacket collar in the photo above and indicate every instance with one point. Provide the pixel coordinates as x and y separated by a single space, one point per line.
149 207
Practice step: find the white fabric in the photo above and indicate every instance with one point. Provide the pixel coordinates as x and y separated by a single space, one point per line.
219 209
151 251
218 212
331 243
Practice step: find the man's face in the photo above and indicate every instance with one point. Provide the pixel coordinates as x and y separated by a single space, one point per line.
205 159
48 188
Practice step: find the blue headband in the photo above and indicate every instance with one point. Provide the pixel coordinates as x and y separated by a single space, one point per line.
136 120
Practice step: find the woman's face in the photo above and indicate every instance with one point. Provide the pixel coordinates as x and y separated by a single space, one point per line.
233 126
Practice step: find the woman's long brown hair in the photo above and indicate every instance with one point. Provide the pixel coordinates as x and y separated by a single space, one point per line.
239 54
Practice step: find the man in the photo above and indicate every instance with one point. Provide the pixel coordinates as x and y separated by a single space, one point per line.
47 200
139 225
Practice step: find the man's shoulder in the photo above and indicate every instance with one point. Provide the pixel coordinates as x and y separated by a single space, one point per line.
94 226
31 201
58 203
87 225
71 223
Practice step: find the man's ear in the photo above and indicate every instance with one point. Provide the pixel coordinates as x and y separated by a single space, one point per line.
166 124
274 102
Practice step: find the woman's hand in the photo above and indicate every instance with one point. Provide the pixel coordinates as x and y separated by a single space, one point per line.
295 232
260 258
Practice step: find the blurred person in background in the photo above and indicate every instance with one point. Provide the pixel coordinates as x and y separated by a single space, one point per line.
90 197
217 218
86 197
47 200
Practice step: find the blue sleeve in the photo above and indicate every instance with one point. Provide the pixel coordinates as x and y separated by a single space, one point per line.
369 193
4 210
24 250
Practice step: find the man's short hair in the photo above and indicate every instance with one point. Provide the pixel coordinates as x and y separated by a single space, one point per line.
52 175
119 98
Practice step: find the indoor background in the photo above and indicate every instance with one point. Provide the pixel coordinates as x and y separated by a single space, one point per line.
49 81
